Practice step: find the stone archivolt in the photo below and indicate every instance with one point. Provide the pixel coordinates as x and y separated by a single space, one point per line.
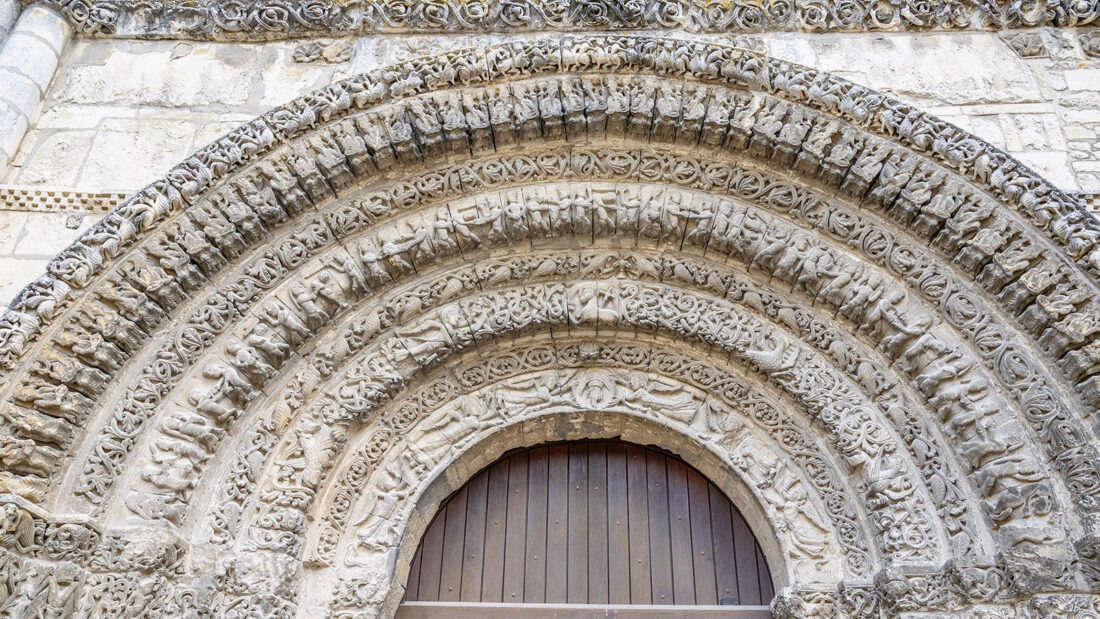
264 19
876 332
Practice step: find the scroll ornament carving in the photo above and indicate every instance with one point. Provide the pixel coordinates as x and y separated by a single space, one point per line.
259 19
889 488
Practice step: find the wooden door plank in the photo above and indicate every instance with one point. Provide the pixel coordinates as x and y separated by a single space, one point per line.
638 516
577 526
660 545
473 560
618 522
496 520
702 543
535 585
725 566
432 561
515 532
557 527
412 587
744 550
683 569
459 610
764 575
597 518
454 534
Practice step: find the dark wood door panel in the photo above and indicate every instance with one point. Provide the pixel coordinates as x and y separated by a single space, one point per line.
592 523
468 610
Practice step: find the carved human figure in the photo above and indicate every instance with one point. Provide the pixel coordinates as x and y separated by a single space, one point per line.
393 485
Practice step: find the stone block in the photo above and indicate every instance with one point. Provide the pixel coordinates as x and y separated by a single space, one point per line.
127 154
1053 166
45 234
47 25
9 12
13 126
792 48
31 56
1080 132
80 116
1032 132
152 74
11 227
989 129
284 80
15 273
55 158
951 68
20 90
1083 79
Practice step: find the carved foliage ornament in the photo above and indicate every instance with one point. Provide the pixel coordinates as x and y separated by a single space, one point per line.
266 18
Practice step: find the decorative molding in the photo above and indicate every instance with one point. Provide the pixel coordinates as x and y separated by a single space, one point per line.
270 19
1091 200
45 200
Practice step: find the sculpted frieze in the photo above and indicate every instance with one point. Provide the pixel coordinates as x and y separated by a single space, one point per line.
257 20
650 230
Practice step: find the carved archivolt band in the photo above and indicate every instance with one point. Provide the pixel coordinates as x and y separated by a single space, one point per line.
264 19
694 236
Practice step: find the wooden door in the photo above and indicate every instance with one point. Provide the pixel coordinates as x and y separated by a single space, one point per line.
601 523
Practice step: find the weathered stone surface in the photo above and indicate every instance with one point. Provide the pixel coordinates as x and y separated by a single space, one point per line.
931 69
60 159
172 76
156 143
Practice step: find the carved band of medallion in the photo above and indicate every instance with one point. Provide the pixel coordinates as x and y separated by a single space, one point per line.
708 62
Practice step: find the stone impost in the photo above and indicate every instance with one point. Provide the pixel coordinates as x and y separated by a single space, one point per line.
29 57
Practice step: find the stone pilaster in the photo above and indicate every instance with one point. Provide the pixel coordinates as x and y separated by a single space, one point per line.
29 59
9 12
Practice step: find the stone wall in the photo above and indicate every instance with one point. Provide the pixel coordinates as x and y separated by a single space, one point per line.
120 112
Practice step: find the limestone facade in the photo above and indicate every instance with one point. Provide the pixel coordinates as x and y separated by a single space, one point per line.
246 389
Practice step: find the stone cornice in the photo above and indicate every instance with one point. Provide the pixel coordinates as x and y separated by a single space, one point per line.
275 19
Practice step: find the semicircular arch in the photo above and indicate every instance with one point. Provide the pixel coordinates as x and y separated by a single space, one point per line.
174 319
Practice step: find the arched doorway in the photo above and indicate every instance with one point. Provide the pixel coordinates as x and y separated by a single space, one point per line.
584 527
248 368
